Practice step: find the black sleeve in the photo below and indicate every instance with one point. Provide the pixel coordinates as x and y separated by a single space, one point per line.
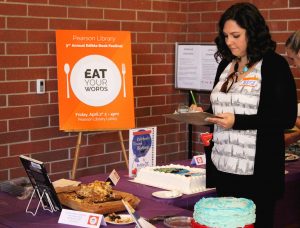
278 99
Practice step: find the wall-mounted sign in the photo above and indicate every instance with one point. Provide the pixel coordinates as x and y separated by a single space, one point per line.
195 66
94 80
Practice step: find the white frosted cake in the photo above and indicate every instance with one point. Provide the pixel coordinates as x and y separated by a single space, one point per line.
180 178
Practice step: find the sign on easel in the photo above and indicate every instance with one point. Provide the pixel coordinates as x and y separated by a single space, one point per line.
95 88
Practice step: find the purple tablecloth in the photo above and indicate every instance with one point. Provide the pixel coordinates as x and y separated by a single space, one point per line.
144 191
12 213
12 210
287 211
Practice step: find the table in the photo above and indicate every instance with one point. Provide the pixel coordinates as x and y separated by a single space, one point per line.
288 208
287 211
12 214
12 210
145 192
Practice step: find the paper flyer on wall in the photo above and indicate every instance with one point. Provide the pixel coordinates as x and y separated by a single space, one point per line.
95 85
142 148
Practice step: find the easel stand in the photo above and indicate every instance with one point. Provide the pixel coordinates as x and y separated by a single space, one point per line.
75 162
45 207
123 148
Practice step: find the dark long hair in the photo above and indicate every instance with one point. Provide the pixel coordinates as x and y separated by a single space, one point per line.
248 17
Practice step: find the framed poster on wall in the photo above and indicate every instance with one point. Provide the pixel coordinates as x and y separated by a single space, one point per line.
195 66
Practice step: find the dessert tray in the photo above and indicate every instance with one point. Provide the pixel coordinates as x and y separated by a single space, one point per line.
167 194
195 118
97 197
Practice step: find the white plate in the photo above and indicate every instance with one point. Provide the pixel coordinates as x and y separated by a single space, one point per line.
167 194
291 157
127 219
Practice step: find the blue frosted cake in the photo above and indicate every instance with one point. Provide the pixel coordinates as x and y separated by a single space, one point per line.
224 212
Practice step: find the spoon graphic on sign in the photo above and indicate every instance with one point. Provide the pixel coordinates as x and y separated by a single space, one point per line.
124 83
67 71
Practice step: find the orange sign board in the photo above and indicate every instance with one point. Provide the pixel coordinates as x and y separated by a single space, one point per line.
95 88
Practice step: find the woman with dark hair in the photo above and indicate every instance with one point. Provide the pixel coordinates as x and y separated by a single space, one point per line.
258 36
255 96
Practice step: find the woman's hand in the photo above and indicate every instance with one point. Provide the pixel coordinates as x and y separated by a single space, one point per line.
226 121
196 108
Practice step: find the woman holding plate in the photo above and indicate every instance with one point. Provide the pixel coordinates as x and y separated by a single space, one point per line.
255 94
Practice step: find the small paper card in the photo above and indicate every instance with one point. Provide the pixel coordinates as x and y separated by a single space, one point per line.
79 218
113 178
199 160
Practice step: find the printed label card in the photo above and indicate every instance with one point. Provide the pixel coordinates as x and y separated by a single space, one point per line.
79 218
199 160
113 178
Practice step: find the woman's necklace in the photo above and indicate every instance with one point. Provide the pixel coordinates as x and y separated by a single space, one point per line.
245 69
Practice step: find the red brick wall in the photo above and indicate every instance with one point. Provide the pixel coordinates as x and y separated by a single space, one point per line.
29 121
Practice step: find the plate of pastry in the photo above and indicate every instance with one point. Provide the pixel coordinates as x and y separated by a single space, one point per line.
167 194
119 219
291 157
